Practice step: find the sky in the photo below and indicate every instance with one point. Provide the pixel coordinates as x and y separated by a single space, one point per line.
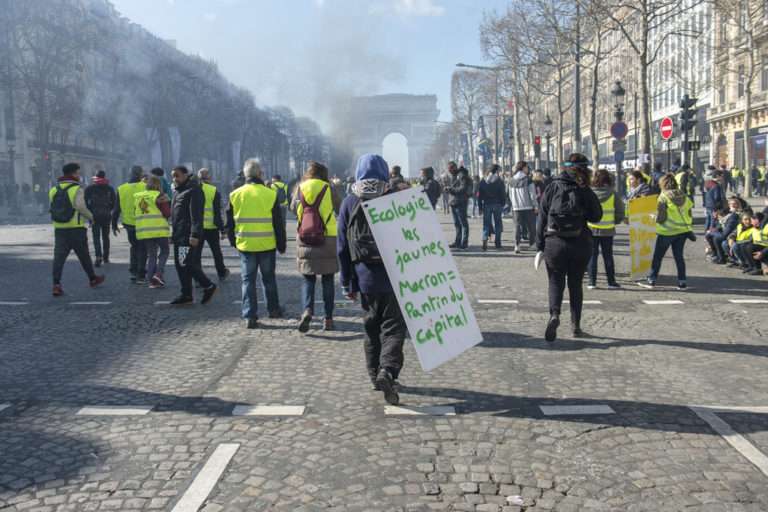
306 53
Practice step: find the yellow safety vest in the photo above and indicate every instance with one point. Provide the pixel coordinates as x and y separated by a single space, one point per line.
744 235
762 174
77 220
760 237
209 191
310 189
125 193
736 173
279 185
679 220
608 221
252 209
150 222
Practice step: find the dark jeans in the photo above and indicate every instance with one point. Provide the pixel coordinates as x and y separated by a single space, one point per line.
461 223
211 236
663 243
525 220
492 215
604 243
138 253
567 260
715 241
189 267
709 219
743 252
308 293
385 331
250 264
66 241
100 238
158 250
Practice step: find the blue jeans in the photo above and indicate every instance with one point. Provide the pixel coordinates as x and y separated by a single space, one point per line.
710 220
461 223
308 293
663 243
250 264
492 214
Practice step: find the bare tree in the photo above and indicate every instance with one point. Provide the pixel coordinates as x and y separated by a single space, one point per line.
468 94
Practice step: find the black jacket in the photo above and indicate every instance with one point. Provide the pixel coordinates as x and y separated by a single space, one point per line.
590 204
187 212
100 199
217 211
461 188
278 224
492 191
432 189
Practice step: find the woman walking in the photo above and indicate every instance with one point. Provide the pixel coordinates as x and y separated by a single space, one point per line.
314 198
562 235
153 209
674 225
604 230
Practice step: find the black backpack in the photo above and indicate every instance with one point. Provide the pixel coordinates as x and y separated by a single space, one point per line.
362 246
100 203
566 215
62 210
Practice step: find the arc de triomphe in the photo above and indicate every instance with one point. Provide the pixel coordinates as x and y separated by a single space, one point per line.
372 118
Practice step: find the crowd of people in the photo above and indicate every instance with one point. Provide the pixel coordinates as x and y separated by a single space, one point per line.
569 219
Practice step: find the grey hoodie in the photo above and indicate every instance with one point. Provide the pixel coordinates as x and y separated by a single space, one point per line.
603 193
522 192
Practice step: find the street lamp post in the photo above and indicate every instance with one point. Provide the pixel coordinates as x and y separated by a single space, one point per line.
618 93
548 133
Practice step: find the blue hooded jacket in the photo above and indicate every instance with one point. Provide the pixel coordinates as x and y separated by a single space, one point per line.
361 277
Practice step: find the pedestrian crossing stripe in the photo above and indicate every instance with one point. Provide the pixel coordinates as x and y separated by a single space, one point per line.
205 481
663 302
575 410
91 303
115 410
748 301
268 410
13 303
498 301
430 410
586 302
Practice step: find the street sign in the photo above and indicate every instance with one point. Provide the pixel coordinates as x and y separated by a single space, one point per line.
619 145
694 145
618 156
666 128
619 130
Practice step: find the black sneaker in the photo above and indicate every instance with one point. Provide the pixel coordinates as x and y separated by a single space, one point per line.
306 319
650 285
682 286
181 300
551 333
485 245
252 323
97 263
208 294
225 275
577 332
454 246
387 385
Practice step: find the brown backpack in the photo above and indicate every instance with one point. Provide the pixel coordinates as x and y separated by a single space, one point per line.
312 227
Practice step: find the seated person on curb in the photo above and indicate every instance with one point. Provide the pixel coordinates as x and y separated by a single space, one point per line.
742 236
714 235
760 245
748 252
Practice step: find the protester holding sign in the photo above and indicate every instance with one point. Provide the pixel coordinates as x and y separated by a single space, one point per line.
562 235
362 271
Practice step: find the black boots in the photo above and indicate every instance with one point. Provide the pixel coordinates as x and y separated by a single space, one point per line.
551 332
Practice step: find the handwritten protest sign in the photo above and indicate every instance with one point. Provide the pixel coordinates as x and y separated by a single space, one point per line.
642 234
424 276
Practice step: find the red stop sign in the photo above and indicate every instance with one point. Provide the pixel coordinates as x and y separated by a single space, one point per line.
666 128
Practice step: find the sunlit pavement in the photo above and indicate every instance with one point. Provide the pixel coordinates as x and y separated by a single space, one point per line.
112 400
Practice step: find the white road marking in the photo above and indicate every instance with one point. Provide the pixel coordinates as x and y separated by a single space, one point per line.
115 410
663 302
736 440
237 302
91 303
498 301
574 410
748 301
4 407
728 408
431 410
268 410
586 302
207 478
162 302
13 303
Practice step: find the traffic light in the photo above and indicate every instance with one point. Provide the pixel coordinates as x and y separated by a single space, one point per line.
537 146
687 113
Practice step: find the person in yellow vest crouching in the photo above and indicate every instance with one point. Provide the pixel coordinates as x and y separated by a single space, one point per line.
69 213
125 208
604 231
760 245
152 211
213 225
316 256
674 225
255 226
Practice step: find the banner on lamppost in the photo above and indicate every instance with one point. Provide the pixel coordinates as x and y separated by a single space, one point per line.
642 234
424 276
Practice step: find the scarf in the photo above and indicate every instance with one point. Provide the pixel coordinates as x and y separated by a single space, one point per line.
369 188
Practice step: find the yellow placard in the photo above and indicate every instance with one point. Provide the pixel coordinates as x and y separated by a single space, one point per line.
642 234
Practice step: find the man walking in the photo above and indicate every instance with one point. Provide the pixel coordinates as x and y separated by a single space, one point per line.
491 199
187 227
460 191
213 226
255 226
522 195
101 200
69 213
125 208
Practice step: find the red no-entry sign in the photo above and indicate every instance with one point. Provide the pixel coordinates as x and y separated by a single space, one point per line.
667 128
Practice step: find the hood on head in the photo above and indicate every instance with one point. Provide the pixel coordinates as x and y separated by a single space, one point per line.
492 178
603 193
371 167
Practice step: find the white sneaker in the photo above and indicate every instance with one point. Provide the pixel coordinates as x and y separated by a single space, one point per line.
591 286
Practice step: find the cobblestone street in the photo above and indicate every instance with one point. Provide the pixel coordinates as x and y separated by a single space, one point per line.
112 400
